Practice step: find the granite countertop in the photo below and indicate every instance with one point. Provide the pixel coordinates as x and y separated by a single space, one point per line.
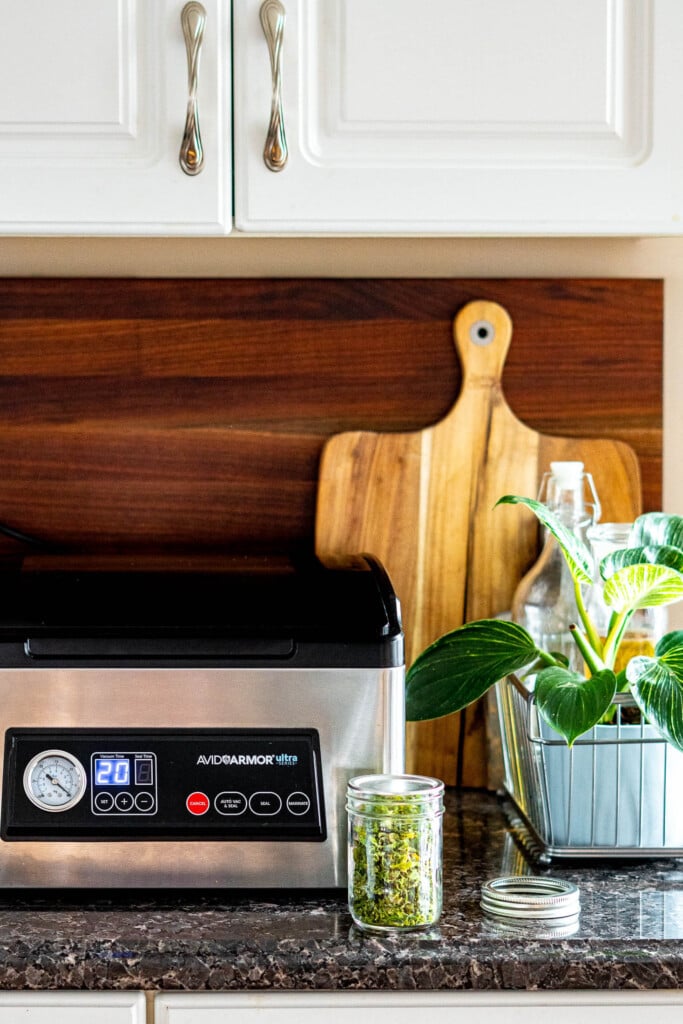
630 933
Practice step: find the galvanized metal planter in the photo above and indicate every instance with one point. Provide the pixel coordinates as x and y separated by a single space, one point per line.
615 793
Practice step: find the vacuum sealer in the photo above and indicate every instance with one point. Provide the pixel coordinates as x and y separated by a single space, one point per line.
193 729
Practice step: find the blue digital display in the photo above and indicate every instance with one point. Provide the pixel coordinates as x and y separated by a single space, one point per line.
112 771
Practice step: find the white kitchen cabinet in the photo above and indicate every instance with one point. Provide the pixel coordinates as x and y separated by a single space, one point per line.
483 117
93 103
408 1007
72 1008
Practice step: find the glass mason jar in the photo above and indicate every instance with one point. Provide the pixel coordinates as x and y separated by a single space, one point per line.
647 625
395 848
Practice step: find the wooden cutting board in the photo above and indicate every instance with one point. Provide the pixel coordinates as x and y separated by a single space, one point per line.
423 502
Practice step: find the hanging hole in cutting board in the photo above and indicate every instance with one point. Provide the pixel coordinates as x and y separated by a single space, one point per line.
482 332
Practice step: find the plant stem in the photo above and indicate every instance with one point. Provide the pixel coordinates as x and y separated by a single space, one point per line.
618 624
591 632
590 656
548 659
543 660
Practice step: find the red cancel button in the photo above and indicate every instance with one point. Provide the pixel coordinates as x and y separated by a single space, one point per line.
197 803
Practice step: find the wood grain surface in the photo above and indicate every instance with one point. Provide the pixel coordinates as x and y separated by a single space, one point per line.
167 412
190 414
424 503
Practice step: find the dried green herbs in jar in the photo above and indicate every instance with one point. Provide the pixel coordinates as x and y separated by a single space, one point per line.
395 843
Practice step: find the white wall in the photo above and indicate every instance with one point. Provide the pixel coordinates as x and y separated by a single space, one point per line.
390 257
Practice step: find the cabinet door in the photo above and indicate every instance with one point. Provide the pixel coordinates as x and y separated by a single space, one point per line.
93 102
72 1008
408 1007
461 117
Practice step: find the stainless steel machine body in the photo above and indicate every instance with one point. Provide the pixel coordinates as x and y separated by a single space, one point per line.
173 756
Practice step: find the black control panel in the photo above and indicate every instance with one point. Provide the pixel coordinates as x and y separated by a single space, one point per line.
104 784
123 782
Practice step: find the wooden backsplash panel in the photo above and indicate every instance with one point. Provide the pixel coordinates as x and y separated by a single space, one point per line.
174 415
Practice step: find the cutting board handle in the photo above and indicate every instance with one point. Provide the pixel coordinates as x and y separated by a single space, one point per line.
482 332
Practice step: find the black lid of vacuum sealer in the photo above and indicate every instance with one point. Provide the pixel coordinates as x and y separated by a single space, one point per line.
304 615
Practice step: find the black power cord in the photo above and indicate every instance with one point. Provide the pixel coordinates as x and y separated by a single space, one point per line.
25 538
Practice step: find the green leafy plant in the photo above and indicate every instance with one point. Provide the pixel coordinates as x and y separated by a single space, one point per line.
462 665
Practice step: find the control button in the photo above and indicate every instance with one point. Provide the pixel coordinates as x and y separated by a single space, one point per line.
144 802
298 803
123 802
104 802
265 803
230 802
197 803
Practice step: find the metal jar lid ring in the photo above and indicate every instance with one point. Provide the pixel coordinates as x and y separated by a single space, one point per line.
530 897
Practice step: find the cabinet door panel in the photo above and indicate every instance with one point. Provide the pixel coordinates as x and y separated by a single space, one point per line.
35 53
92 110
475 118
407 1007
72 1007
488 81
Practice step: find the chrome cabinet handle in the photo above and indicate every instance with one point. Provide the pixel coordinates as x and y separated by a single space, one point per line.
192 19
272 16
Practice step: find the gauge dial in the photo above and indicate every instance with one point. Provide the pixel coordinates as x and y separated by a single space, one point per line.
54 780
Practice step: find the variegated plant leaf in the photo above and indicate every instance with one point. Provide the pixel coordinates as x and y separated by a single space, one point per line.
642 586
575 551
462 665
657 686
670 650
657 528
653 554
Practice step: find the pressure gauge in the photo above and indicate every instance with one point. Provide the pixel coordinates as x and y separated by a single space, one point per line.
54 780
